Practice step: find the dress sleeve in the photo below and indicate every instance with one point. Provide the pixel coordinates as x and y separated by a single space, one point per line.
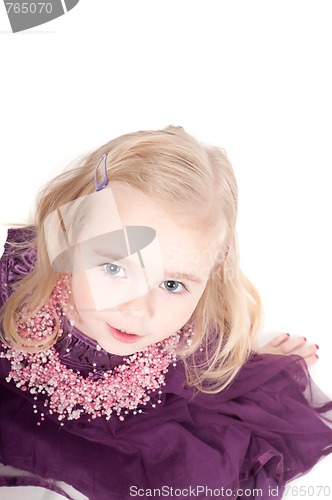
287 417
16 261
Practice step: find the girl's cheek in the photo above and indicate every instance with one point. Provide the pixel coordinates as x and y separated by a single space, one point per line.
81 292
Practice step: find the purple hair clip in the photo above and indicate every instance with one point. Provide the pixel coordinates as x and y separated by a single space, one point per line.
99 186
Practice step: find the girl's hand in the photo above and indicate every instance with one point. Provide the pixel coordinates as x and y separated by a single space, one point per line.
285 344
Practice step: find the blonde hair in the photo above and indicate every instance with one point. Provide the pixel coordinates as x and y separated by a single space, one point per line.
195 181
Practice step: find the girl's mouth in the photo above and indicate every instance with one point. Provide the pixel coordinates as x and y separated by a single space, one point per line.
127 338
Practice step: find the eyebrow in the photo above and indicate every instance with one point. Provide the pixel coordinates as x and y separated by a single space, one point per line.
108 255
186 276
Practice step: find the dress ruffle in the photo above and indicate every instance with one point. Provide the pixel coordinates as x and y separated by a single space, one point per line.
16 262
269 426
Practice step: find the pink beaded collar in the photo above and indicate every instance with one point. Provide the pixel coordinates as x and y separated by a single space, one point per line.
117 391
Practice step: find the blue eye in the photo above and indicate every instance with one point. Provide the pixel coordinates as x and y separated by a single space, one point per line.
173 287
114 270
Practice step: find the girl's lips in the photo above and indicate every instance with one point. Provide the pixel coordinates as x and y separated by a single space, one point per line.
127 338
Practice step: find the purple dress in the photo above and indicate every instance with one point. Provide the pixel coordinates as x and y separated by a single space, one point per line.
270 426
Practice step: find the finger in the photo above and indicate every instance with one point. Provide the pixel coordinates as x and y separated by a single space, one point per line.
306 350
278 340
292 344
310 360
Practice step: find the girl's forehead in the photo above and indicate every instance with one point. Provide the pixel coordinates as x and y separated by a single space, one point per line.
120 221
119 206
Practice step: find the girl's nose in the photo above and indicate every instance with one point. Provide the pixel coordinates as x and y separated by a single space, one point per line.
139 307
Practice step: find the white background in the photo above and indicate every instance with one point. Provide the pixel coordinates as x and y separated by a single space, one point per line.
253 77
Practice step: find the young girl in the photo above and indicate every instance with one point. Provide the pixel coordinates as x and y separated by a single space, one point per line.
128 365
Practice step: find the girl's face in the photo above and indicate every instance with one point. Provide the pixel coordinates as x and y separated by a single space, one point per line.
135 269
